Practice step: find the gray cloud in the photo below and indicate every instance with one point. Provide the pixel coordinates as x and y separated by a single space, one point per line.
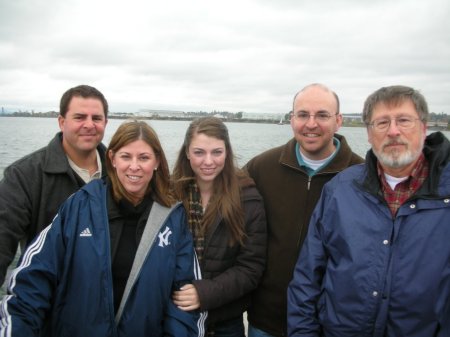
247 55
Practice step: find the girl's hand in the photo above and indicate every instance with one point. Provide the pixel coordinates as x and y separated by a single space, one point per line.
186 298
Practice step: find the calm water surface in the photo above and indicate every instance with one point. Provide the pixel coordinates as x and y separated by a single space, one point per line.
20 136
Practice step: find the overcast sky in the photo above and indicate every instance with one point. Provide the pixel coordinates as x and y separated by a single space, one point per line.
233 55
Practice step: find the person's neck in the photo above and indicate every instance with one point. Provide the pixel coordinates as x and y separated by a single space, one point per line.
206 190
136 201
325 153
399 172
84 159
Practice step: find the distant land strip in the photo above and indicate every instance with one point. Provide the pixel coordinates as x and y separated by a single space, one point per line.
436 121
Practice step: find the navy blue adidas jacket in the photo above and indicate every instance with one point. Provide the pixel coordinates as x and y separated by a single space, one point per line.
63 284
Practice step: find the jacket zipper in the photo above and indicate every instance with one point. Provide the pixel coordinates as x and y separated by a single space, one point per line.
308 188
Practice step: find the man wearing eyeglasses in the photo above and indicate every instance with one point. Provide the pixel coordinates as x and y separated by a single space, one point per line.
290 179
376 260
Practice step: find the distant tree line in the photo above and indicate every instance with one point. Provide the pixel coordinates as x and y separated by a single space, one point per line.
436 120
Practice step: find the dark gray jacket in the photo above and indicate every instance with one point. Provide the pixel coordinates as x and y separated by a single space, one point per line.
230 273
31 192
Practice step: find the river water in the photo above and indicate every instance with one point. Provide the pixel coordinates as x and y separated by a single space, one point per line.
21 135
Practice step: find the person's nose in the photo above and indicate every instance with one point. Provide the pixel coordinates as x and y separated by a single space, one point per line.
89 123
311 122
134 165
393 129
208 159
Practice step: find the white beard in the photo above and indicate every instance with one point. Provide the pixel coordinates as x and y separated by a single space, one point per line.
394 159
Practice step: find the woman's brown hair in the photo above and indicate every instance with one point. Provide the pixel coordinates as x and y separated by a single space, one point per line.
226 198
127 133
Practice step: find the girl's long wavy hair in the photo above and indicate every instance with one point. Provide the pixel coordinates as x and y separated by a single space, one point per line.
226 198
159 186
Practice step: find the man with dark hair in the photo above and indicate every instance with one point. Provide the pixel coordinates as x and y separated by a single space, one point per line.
376 260
290 179
34 186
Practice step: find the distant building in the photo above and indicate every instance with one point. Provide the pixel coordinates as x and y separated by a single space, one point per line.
262 116
352 118
438 125
121 114
161 113
220 116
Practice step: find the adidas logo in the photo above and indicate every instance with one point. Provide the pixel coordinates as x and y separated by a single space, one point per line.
86 232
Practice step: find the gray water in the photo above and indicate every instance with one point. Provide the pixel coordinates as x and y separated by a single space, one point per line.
21 135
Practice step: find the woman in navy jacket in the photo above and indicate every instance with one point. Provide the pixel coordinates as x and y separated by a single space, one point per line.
109 261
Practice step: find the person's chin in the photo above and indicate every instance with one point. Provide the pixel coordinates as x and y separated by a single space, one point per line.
88 146
208 177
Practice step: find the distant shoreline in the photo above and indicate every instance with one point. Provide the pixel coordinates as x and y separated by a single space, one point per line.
159 118
351 123
188 119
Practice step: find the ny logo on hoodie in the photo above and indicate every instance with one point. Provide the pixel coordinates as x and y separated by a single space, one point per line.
164 237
